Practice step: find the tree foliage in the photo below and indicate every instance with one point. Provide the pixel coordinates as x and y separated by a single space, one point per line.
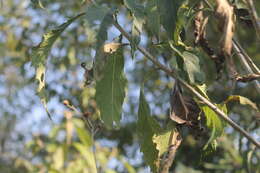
204 52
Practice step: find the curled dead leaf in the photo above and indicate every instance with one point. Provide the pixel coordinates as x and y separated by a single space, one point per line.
200 25
248 78
225 13
179 111
183 108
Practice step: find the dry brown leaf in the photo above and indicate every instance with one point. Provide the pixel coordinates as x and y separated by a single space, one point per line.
248 78
183 108
179 111
200 24
197 23
225 13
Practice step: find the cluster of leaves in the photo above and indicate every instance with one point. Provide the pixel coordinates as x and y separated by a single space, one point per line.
166 27
110 81
70 153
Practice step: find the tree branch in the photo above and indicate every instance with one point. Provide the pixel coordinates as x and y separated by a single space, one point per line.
244 58
174 143
238 49
245 62
253 14
189 87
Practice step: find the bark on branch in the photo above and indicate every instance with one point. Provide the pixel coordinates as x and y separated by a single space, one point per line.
174 143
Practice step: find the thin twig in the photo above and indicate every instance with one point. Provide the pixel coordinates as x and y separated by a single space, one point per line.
246 56
254 17
245 64
190 88
245 59
90 127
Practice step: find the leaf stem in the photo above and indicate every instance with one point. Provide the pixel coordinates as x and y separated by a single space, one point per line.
189 87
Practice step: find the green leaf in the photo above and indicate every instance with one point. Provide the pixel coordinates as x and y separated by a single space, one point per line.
104 15
191 64
101 37
84 136
95 12
40 54
138 13
88 156
242 100
164 138
128 167
153 17
58 158
168 13
162 141
37 4
214 123
102 32
138 21
110 90
202 89
146 128
192 67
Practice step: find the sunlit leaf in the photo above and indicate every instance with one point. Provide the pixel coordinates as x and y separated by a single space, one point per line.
225 13
146 128
214 123
242 100
202 89
192 66
162 141
58 158
40 54
84 136
54 131
88 156
69 126
129 168
110 90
